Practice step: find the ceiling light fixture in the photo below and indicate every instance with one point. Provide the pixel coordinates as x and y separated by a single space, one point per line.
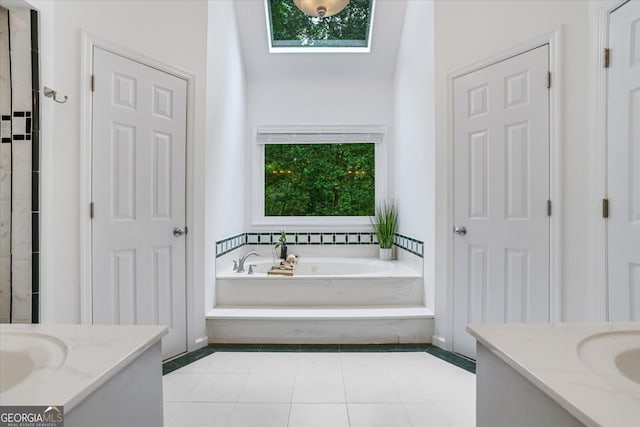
321 8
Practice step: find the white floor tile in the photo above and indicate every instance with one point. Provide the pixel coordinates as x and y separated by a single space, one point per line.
318 415
319 363
259 415
199 366
267 388
370 389
458 386
197 414
171 411
363 363
407 364
422 387
462 414
318 388
217 388
275 363
230 363
177 385
377 415
405 357
441 414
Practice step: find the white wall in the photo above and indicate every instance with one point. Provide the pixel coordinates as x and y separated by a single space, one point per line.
331 101
470 31
414 124
172 32
226 177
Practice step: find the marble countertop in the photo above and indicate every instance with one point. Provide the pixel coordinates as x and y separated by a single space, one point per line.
87 357
548 356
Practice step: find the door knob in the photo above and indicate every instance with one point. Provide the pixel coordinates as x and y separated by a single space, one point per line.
460 231
180 231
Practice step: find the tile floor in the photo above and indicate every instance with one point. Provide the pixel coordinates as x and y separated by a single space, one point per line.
295 389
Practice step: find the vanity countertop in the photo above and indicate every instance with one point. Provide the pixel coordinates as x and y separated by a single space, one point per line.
563 361
85 358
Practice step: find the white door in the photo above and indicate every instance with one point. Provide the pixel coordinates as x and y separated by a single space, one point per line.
501 149
138 191
623 154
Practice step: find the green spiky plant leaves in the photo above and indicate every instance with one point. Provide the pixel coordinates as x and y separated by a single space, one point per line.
385 223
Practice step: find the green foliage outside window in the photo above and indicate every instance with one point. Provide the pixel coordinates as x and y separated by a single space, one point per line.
291 27
319 179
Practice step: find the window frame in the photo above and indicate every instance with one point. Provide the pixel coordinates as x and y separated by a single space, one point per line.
258 218
319 49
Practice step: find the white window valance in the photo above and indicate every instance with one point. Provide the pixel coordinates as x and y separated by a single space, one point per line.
315 136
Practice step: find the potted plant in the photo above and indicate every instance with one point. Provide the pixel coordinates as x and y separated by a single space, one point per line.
385 224
282 244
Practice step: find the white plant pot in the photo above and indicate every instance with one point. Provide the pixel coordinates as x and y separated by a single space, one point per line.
386 254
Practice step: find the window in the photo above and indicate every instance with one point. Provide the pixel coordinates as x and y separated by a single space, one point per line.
319 179
311 177
290 30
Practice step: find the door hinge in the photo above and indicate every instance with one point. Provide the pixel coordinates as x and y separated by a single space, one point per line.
605 208
93 82
606 57
548 207
548 79
91 210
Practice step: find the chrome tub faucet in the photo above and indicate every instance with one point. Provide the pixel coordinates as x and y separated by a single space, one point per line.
242 260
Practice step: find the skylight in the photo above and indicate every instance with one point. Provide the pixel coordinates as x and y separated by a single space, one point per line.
290 30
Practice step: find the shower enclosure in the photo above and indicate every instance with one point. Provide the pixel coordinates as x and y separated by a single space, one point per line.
19 166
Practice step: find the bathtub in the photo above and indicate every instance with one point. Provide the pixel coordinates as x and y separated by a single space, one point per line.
329 299
322 281
101 375
311 267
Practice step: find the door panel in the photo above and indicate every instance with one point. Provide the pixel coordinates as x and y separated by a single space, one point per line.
501 138
138 188
623 146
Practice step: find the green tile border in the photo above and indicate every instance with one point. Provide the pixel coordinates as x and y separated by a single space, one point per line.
453 358
319 348
186 359
240 347
280 348
306 238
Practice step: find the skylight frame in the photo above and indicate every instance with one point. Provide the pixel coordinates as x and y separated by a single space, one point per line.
319 49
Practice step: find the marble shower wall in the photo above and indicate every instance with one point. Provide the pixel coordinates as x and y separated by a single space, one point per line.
19 284
5 170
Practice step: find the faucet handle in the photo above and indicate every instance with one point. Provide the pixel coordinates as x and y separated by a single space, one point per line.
235 265
251 268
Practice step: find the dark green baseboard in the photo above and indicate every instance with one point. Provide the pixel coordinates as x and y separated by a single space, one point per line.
454 359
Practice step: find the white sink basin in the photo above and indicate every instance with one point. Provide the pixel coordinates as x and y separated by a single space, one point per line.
615 357
15 366
27 358
628 363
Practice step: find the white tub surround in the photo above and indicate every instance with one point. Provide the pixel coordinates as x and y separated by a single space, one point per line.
327 300
102 375
338 267
567 374
333 325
